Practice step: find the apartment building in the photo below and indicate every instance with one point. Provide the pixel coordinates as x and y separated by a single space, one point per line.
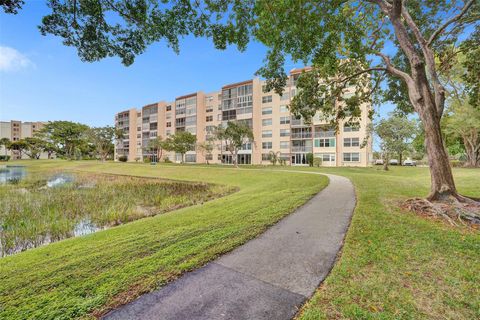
15 130
275 129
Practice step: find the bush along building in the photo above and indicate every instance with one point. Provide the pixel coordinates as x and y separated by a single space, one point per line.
276 131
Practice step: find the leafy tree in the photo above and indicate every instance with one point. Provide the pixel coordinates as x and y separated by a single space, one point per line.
103 139
33 147
156 146
464 122
18 146
180 142
5 142
68 137
206 148
235 135
350 44
397 131
11 6
274 157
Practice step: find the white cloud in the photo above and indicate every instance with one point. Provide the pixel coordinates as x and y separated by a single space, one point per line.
12 60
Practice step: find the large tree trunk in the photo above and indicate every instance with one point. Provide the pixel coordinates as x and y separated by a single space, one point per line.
442 183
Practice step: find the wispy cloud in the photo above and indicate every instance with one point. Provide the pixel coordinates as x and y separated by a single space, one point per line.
13 60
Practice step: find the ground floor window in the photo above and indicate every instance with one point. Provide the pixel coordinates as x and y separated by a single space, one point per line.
190 158
326 157
351 157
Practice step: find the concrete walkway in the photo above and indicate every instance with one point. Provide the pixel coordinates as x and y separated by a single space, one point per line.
269 277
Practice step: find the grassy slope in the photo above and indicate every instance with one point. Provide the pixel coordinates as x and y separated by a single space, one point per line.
75 277
396 265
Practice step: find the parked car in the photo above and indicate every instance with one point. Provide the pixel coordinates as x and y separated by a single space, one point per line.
379 162
393 162
409 163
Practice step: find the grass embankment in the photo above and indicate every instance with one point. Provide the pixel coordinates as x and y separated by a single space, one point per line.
31 213
85 276
397 265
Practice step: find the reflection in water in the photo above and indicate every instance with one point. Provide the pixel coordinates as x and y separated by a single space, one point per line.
59 180
12 174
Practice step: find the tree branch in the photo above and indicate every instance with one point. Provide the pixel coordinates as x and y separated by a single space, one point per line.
450 21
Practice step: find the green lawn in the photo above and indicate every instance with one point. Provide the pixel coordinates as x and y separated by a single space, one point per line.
396 265
84 277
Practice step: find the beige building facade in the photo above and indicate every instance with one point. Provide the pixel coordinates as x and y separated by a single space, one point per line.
275 129
15 130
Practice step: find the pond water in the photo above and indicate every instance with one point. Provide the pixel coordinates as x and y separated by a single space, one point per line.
12 174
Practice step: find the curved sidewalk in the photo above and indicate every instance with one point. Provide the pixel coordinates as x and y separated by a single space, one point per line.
269 277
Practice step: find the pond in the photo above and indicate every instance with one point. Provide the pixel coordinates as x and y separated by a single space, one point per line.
12 174
40 208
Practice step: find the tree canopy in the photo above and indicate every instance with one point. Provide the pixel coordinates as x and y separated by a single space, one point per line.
359 50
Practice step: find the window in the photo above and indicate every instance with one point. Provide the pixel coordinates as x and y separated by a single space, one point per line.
153 126
266 99
190 158
267 145
267 122
325 142
266 133
209 109
285 96
229 115
209 118
284 120
169 108
351 128
267 110
209 157
351 157
283 108
169 124
266 156
264 88
326 157
284 144
284 132
351 142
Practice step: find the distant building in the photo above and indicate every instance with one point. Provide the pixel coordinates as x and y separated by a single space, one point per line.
274 127
16 130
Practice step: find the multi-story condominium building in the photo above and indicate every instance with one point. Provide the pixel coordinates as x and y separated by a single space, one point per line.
275 129
15 130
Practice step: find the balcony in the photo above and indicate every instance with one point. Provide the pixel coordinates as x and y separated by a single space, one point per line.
301 149
301 135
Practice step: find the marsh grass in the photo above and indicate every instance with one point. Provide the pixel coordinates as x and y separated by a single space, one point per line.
32 214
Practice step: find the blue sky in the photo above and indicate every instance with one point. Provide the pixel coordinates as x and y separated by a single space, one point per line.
45 80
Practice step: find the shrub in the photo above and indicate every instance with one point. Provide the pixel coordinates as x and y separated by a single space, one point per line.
167 160
123 158
147 160
317 162
310 159
457 163
4 158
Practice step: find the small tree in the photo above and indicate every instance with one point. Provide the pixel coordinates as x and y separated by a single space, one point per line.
5 142
310 159
156 146
274 157
235 135
19 146
206 148
396 133
103 139
180 142
33 147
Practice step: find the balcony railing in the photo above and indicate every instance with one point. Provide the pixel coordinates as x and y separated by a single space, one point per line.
301 149
324 134
302 135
